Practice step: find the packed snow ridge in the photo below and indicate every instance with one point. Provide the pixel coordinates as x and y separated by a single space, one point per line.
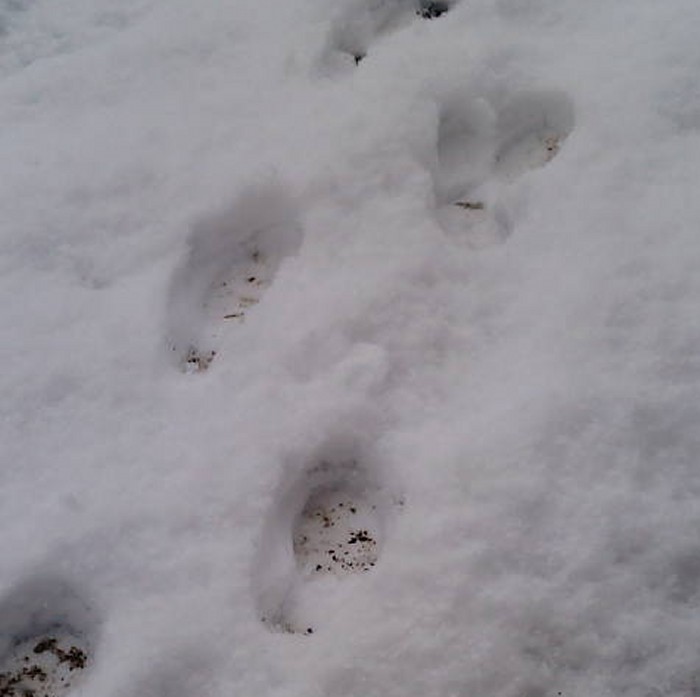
350 348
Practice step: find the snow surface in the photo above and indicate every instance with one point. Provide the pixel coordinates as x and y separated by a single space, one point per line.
473 316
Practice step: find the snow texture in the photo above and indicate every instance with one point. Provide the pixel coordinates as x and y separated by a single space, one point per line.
402 289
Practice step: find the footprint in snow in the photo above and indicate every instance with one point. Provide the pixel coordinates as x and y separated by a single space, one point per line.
328 524
482 148
232 258
46 640
362 22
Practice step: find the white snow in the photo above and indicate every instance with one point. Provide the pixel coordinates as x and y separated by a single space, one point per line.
474 246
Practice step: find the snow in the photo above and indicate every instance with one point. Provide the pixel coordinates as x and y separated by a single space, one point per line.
261 259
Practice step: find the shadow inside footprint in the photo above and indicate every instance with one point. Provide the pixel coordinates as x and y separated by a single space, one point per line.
233 258
328 524
532 126
465 145
46 640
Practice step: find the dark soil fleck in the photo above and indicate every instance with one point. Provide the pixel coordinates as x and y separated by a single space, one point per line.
360 536
45 645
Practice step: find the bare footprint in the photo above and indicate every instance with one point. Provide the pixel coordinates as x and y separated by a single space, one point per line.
46 640
482 149
233 258
327 525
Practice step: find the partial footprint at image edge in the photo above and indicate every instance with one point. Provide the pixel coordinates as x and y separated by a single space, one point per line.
47 635
362 22
232 259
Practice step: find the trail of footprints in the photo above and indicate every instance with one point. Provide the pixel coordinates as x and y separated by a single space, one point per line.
482 147
330 522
